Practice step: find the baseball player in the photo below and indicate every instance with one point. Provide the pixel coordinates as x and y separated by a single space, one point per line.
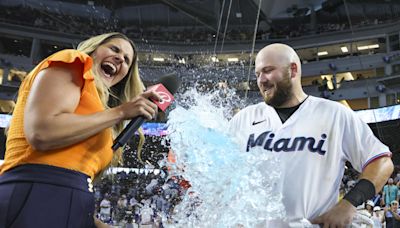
314 137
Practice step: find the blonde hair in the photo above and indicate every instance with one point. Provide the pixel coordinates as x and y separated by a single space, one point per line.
130 87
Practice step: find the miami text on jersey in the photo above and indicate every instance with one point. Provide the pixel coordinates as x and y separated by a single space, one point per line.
266 139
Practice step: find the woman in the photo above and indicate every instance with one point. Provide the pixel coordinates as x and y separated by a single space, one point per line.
60 135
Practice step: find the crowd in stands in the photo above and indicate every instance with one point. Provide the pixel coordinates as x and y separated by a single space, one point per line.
383 209
148 197
57 20
144 197
90 25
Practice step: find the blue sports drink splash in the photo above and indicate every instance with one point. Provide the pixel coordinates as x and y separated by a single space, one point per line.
228 188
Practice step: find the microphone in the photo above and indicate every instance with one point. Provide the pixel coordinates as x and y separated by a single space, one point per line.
167 86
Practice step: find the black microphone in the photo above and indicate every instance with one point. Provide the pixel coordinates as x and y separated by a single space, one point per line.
168 85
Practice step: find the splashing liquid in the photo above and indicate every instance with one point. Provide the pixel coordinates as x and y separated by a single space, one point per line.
228 185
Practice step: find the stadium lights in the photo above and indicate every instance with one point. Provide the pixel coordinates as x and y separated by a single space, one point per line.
233 60
321 53
366 47
344 49
157 59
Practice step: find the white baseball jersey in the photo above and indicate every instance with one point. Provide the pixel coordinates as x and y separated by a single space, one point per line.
313 145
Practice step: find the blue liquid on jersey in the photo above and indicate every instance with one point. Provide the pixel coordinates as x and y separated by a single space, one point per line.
229 187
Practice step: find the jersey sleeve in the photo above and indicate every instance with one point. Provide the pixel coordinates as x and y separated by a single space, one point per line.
360 145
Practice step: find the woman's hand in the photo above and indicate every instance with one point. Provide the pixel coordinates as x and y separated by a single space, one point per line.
141 106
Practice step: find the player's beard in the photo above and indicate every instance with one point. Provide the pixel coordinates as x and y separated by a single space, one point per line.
282 93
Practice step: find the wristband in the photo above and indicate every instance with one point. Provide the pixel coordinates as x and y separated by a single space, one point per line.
362 191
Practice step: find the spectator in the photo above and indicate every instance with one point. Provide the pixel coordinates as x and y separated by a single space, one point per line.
161 204
151 187
378 217
392 215
146 214
105 209
390 192
369 207
122 205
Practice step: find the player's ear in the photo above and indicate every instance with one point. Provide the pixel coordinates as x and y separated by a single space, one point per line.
293 70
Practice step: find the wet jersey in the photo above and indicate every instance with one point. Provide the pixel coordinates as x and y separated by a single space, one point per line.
313 144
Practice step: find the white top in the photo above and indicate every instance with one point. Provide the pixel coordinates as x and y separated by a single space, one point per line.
313 145
105 207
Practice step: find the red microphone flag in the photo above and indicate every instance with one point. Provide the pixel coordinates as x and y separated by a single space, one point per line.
166 96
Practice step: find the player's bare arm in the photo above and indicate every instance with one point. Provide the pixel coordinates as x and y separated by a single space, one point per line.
377 172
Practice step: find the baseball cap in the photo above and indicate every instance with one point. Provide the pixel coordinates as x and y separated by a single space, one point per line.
394 202
377 208
371 203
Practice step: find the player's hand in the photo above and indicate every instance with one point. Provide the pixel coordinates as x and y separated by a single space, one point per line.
341 215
